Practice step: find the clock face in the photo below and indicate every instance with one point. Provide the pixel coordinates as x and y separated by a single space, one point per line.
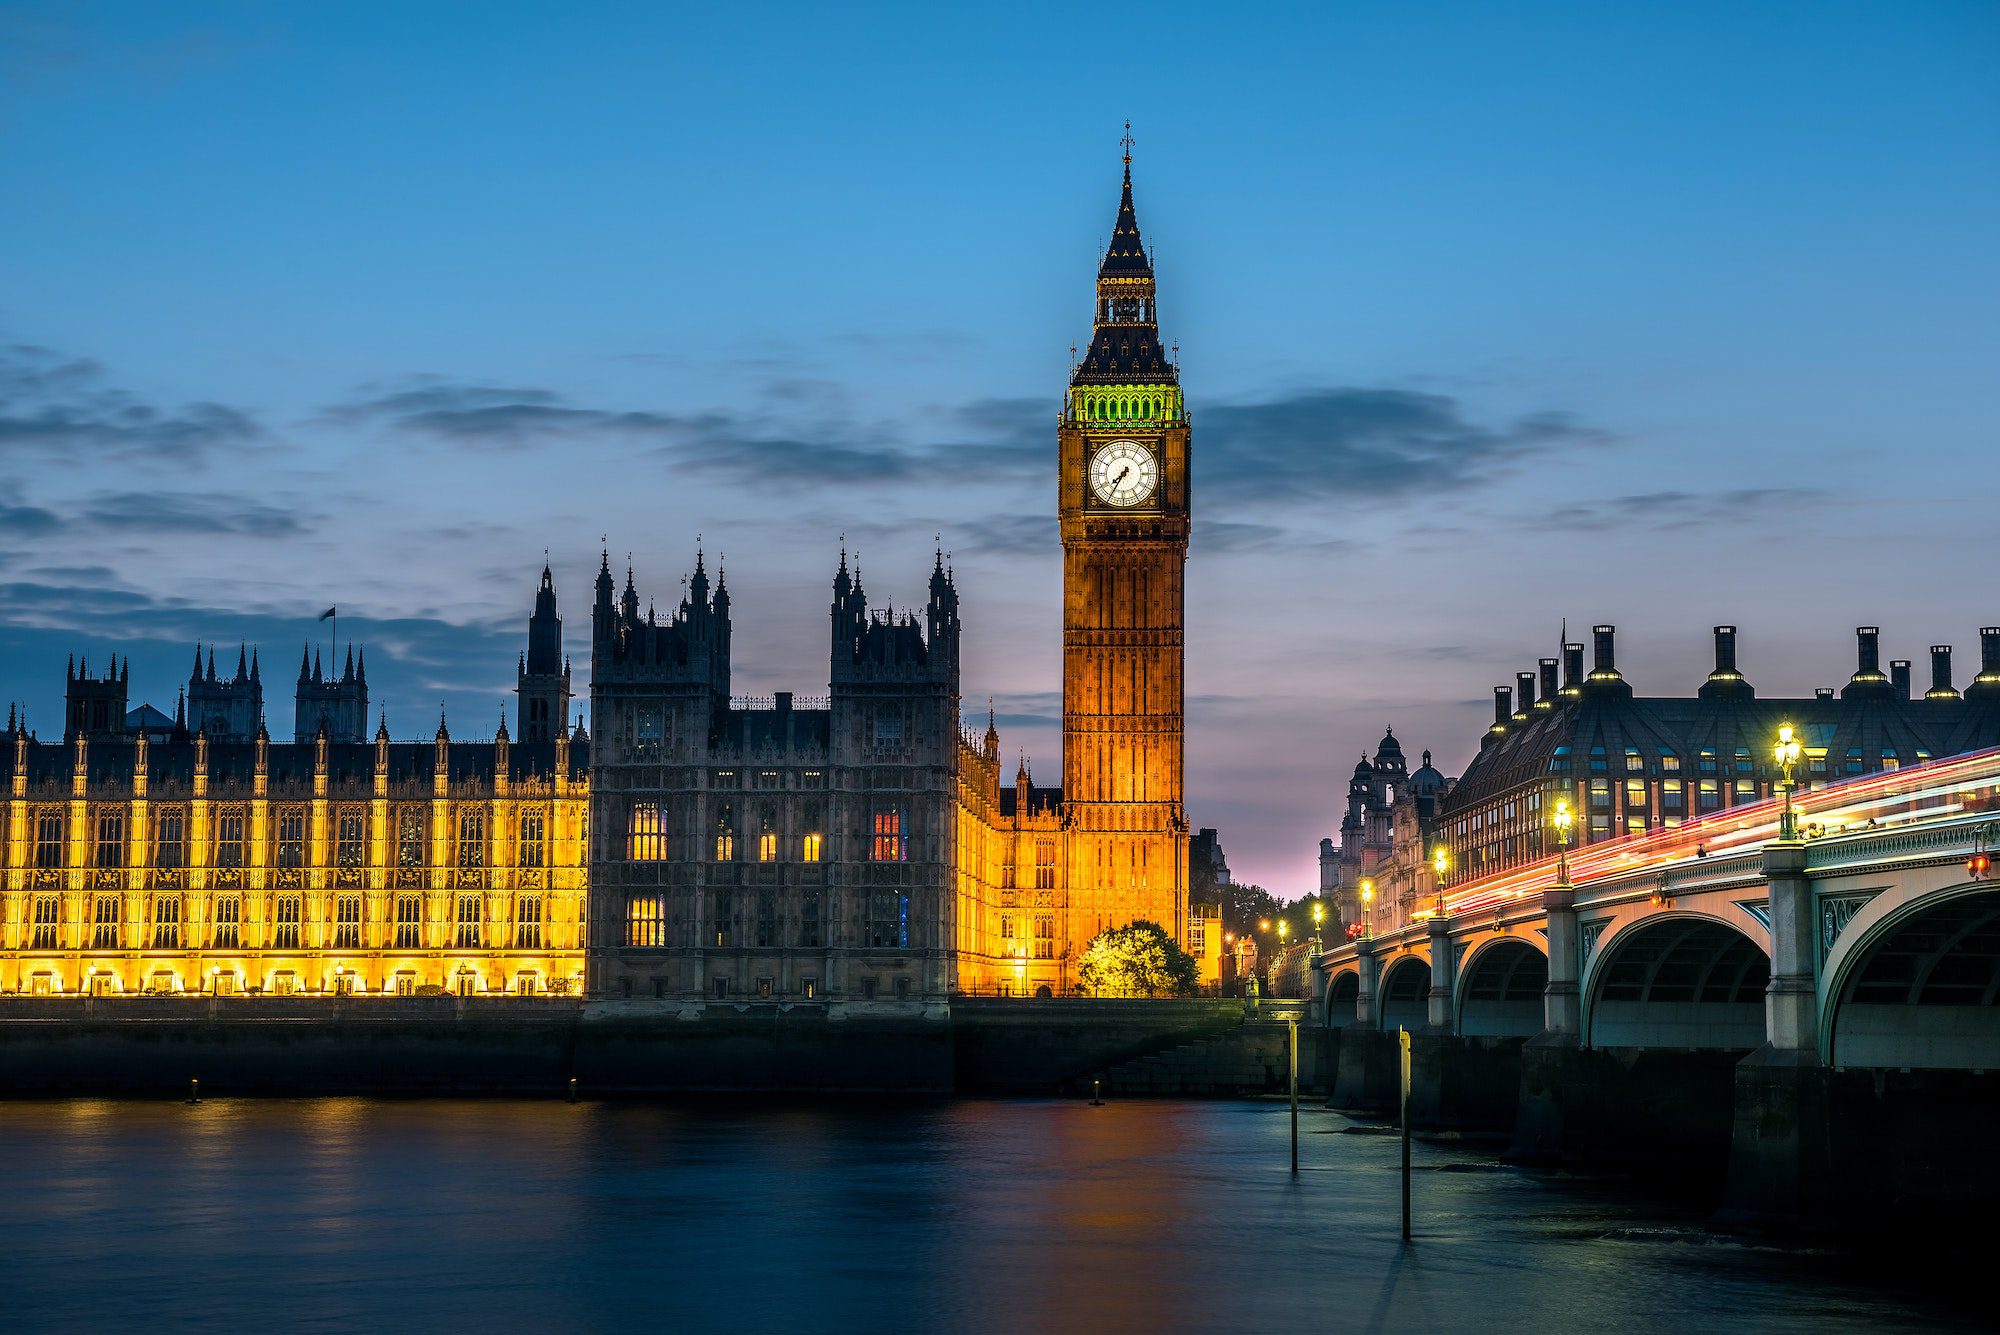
1124 473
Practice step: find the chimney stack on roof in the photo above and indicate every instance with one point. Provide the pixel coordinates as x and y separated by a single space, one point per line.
1987 683
1899 677
1725 681
1941 688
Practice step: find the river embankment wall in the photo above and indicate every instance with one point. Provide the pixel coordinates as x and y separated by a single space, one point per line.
538 1046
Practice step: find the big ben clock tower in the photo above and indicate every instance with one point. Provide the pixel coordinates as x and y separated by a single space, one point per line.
1123 498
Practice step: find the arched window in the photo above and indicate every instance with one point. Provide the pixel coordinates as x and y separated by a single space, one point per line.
646 835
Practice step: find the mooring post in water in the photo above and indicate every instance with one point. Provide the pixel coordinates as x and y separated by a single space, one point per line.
1096 1092
572 1089
1294 1028
194 1091
1403 1054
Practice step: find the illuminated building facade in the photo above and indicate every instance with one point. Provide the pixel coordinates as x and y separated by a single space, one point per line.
136 863
693 847
1628 763
1124 499
1385 834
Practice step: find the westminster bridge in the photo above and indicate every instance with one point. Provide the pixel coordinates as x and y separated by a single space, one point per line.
1814 1021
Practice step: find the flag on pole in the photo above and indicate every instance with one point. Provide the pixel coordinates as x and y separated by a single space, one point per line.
329 612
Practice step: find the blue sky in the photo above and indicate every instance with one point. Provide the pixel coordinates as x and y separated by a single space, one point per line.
1663 315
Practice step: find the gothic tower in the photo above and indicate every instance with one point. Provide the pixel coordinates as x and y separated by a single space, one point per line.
542 682
336 701
1123 498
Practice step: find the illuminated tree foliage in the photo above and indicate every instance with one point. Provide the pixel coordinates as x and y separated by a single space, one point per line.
1138 960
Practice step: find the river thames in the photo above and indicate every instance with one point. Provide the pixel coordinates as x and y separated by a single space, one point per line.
348 1214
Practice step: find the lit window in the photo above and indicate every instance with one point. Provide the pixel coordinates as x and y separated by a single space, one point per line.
1710 795
767 847
1045 864
1669 762
811 850
725 834
1635 792
645 833
892 841
1890 760
1671 794
645 924
1634 762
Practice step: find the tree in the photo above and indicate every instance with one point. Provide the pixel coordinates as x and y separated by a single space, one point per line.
1139 959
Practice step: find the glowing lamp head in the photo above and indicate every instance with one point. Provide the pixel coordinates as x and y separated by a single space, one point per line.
1263 924
1284 929
1367 892
1319 913
1440 860
1564 817
1786 751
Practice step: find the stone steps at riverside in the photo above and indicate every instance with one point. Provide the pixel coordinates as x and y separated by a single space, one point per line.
1250 1059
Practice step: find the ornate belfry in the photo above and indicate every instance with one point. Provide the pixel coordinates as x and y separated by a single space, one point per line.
1123 499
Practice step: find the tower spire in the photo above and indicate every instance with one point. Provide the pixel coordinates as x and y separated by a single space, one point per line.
1125 346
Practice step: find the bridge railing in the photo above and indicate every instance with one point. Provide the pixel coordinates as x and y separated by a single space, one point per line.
1917 811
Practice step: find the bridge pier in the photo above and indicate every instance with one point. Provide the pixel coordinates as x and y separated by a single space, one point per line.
1781 1154
1365 1070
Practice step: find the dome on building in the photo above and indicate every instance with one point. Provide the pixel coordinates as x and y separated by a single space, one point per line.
1389 754
1364 770
1426 782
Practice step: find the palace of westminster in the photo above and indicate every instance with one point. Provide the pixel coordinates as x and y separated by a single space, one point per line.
693 847
687 846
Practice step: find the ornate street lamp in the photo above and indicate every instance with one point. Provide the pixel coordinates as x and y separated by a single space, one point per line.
1440 863
1367 899
1563 819
1786 752
1319 915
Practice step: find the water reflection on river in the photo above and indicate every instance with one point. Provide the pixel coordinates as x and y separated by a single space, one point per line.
490 1216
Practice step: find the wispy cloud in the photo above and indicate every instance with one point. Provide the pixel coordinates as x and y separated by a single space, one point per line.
62 405
1670 510
1366 443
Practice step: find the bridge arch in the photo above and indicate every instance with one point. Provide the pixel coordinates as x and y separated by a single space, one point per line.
1677 980
1500 990
1406 990
1919 986
1343 992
